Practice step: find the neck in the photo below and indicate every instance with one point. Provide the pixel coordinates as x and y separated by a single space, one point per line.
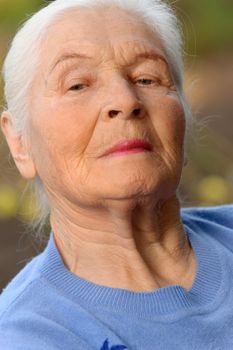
125 247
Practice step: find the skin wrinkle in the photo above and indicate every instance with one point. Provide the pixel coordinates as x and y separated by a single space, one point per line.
116 220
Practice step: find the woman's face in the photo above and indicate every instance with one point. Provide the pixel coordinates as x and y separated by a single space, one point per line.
70 102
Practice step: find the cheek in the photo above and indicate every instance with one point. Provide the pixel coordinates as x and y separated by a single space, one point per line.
169 120
63 127
59 137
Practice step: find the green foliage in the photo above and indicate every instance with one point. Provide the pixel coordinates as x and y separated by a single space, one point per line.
14 12
8 202
208 24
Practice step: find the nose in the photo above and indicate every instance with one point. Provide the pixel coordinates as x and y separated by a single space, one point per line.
123 102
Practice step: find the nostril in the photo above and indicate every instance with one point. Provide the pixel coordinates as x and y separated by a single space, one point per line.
113 113
136 111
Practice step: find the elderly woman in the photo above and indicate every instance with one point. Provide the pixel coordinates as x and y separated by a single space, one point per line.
96 118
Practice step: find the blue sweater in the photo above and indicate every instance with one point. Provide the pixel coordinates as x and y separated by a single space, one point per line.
46 307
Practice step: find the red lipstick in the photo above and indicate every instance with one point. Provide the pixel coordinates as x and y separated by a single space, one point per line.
129 146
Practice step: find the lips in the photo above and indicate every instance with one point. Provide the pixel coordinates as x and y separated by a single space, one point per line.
126 146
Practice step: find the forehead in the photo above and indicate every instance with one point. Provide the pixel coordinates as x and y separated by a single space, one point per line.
100 32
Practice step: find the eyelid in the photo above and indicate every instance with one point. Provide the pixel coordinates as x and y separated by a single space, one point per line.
80 80
68 72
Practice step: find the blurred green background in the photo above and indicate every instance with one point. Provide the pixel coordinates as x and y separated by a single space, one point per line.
208 177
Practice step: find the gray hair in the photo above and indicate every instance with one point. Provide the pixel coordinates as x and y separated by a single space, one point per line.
23 58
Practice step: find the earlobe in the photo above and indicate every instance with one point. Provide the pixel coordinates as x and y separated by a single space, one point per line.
18 148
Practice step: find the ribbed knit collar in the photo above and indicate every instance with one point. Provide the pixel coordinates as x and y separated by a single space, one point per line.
163 301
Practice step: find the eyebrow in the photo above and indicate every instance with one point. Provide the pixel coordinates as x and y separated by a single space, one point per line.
68 56
152 55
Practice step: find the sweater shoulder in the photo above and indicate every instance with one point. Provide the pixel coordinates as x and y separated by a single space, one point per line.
20 283
214 221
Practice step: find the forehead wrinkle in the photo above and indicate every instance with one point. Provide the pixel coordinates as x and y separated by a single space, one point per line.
127 52
124 56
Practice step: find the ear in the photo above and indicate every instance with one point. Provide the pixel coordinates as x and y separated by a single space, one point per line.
18 148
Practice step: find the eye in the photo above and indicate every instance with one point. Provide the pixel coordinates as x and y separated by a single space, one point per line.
145 81
77 87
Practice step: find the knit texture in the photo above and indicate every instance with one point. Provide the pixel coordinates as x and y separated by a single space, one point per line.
47 307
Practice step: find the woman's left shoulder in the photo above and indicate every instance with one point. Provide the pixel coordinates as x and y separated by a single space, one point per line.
220 214
216 222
